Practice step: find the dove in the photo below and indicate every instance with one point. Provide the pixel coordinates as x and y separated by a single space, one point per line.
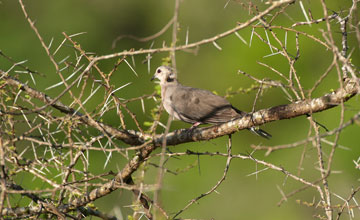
196 106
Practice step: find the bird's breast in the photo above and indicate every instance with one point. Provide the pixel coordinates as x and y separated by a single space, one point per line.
166 97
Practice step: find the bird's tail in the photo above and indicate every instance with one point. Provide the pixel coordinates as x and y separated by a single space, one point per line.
255 130
260 132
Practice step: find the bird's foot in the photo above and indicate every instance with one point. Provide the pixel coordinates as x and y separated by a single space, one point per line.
195 125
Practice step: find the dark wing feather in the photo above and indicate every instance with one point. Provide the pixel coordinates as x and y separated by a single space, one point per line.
197 105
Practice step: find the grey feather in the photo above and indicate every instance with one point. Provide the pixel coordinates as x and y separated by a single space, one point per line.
194 105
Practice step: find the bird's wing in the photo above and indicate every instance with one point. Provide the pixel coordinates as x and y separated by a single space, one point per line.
197 105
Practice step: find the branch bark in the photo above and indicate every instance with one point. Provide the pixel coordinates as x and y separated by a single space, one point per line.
263 116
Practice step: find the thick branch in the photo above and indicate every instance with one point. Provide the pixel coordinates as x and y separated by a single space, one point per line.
263 116
260 117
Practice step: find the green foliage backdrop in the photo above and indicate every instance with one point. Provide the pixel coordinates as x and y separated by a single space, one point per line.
250 190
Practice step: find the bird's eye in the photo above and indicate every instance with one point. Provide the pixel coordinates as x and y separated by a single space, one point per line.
158 71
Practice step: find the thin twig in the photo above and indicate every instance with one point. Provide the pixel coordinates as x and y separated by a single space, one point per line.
227 166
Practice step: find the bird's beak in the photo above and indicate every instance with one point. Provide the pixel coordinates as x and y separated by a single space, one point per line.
152 78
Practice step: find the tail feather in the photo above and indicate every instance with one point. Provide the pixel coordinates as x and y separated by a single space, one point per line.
260 132
255 130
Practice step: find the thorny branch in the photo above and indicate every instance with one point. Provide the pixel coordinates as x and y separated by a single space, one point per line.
78 187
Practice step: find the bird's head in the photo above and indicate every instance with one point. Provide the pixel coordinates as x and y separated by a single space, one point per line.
165 74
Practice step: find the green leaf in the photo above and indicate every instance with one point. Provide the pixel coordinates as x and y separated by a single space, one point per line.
158 89
148 123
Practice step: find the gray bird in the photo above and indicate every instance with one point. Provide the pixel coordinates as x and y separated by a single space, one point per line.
196 106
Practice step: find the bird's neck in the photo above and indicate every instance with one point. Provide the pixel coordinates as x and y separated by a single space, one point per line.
172 83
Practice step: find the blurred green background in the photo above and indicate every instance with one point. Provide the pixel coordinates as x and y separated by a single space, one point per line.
241 196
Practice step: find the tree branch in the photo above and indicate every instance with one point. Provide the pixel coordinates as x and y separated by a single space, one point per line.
263 116
260 117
